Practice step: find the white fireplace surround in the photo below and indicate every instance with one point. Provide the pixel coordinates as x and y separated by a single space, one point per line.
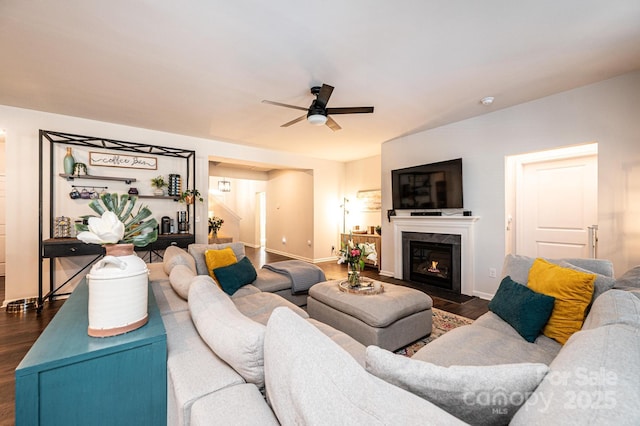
457 225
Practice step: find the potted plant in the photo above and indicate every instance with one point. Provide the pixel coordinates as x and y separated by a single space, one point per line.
190 196
158 183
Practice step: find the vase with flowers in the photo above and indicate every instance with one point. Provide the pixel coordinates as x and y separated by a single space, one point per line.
118 283
215 223
354 255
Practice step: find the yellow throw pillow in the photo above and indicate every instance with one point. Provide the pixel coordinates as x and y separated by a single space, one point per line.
572 291
219 258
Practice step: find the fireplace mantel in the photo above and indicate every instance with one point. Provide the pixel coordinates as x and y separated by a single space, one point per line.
458 225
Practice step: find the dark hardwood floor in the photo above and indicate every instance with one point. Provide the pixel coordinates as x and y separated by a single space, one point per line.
19 331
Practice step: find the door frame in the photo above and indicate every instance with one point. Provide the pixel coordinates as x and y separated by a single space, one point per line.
514 165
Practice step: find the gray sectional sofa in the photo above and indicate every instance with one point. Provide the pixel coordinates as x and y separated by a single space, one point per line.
257 358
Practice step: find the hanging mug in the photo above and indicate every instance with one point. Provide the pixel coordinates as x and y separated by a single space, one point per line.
93 194
74 194
84 194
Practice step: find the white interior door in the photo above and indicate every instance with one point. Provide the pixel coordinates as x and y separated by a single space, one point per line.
556 203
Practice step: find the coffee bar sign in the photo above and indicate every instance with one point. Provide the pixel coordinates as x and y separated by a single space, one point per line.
123 160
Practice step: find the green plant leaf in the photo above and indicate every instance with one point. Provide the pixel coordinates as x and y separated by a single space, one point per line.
96 207
142 214
130 203
143 240
144 225
108 201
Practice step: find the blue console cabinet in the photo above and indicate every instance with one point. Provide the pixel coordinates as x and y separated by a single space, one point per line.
68 378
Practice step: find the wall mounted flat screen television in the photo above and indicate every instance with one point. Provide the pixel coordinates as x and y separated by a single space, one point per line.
429 186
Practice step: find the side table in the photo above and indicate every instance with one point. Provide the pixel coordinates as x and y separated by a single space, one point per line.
69 378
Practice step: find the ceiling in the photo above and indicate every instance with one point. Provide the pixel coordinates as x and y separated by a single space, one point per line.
202 68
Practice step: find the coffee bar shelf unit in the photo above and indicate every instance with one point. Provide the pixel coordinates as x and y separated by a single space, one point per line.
51 248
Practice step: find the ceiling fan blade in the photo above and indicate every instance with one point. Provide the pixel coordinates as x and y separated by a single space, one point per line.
332 124
285 105
324 95
302 117
350 110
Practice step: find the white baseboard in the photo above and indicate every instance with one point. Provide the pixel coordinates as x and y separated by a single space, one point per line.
482 295
386 273
294 256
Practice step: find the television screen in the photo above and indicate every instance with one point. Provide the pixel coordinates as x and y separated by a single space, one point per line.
429 186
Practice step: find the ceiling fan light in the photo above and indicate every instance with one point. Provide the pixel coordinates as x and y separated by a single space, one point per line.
317 119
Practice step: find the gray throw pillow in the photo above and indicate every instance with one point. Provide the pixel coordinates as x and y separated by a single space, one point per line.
180 278
600 285
614 307
176 256
630 279
479 395
517 266
310 380
232 336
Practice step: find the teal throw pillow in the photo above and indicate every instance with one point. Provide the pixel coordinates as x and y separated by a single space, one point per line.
522 308
232 277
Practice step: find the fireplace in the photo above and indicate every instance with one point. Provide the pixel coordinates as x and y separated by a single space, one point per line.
432 259
430 263
453 229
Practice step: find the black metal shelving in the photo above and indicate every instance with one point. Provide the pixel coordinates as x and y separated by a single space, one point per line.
104 144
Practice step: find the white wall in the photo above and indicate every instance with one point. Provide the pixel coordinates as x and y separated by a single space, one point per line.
362 175
22 144
290 213
606 113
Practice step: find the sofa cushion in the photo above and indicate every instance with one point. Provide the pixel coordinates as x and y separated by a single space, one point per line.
173 256
193 370
167 299
311 380
572 290
593 381
236 275
630 279
488 341
270 281
522 308
517 266
232 336
235 405
180 278
217 259
197 251
479 395
600 285
259 306
352 346
245 291
614 307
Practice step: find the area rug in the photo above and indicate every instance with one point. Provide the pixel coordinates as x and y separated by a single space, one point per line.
442 322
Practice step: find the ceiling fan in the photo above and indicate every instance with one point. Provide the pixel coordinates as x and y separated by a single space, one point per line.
318 113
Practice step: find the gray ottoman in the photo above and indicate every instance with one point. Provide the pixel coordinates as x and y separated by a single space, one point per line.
390 320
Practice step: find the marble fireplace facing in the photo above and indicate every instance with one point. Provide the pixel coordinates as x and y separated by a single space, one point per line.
438 251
